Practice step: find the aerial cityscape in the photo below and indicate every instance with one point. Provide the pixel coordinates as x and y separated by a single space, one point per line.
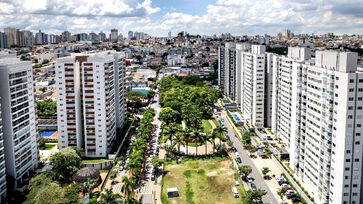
173 102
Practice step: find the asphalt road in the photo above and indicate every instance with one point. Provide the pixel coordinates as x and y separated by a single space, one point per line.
246 160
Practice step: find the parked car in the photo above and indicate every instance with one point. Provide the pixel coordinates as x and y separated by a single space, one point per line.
237 183
285 185
253 187
264 157
235 192
282 182
239 160
296 199
249 179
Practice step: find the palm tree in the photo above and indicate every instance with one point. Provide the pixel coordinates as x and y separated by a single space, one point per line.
198 137
207 139
213 138
87 186
179 139
220 132
109 197
128 187
187 134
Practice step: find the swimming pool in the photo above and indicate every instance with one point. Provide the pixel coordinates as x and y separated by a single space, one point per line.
144 91
46 133
236 118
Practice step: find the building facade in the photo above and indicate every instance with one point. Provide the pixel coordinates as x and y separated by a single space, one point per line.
18 117
91 102
314 105
2 162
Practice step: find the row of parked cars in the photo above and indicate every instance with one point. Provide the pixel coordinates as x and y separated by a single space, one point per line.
290 192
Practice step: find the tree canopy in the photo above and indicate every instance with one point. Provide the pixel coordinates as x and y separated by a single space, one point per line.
65 163
47 107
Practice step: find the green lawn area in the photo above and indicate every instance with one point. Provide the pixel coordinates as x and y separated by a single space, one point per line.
47 147
201 181
96 160
207 127
120 136
215 122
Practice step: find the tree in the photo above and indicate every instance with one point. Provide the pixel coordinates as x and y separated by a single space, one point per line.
109 197
41 141
213 138
245 170
255 196
157 163
44 89
46 61
281 192
71 193
65 163
220 132
179 139
168 115
87 186
47 107
150 94
197 137
37 183
128 189
50 193
265 170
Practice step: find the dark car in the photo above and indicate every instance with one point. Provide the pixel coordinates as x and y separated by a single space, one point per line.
239 160
296 199
253 187
282 182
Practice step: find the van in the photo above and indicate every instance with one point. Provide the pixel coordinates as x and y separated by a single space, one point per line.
235 192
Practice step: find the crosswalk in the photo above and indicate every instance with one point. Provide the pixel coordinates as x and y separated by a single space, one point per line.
147 188
117 188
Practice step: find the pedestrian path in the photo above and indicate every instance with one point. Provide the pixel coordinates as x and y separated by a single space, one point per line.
117 188
147 188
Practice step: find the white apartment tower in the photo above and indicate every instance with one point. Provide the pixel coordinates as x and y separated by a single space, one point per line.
317 111
2 162
252 91
19 125
91 101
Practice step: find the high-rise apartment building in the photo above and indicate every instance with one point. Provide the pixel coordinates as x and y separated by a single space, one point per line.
221 66
18 116
2 161
91 101
114 35
11 36
314 105
131 35
252 85
102 36
3 40
39 38
317 111
230 70
66 36
28 38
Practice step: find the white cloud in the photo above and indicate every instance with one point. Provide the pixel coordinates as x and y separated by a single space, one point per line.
235 16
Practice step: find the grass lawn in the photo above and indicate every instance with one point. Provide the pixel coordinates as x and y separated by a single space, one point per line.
96 160
47 147
207 127
208 181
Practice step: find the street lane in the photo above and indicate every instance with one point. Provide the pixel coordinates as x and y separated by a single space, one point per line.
246 160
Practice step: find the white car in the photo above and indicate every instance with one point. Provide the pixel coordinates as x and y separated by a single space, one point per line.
285 185
237 183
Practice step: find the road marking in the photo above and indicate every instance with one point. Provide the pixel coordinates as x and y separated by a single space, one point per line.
147 188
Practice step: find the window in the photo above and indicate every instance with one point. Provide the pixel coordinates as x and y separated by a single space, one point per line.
347 160
357 142
351 80
348 151
356 160
351 90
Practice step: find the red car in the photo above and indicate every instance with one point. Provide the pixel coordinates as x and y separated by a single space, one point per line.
264 157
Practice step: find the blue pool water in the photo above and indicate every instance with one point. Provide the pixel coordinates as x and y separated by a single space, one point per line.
236 118
46 133
144 91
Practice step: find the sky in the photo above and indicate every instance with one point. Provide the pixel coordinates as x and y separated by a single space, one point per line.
204 17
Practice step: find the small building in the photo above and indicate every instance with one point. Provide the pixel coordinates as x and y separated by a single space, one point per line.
86 173
172 192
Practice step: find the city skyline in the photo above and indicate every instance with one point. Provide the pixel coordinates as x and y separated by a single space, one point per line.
158 17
